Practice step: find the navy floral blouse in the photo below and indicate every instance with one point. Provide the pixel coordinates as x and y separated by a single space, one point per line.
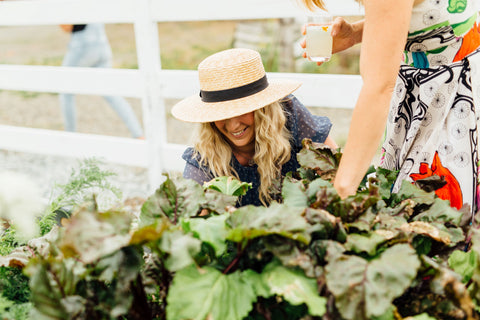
300 122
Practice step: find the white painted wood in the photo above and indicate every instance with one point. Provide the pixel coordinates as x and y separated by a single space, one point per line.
44 12
336 91
154 117
77 145
194 10
125 151
97 81
318 90
48 12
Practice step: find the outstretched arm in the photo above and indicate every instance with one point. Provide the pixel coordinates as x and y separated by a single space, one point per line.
384 36
344 34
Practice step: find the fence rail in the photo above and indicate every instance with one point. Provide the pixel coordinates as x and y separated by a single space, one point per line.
149 82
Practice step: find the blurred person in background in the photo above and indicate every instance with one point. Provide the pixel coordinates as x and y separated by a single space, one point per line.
89 47
420 66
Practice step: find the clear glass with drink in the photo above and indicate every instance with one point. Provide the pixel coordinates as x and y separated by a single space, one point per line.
318 37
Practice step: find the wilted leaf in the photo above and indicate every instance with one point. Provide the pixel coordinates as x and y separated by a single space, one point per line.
427 229
208 294
18 258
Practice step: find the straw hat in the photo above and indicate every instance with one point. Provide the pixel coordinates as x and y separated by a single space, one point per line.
232 82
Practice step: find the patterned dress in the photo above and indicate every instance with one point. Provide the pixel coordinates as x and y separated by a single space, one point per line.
432 127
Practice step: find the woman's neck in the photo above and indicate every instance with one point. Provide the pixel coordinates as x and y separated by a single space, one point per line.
244 155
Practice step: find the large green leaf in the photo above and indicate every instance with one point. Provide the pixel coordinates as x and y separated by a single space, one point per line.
293 193
228 185
294 287
175 198
212 231
249 222
367 243
410 191
440 211
206 293
364 289
181 249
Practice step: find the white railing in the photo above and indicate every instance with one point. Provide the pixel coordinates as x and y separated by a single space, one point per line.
149 82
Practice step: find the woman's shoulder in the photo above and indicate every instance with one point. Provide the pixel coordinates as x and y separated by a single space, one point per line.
192 157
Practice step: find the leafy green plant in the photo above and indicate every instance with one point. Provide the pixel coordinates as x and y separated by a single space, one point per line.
89 179
309 255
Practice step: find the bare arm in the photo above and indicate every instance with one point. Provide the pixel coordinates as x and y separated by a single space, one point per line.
384 36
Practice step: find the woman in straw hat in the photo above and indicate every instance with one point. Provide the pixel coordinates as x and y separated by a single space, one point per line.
420 65
250 127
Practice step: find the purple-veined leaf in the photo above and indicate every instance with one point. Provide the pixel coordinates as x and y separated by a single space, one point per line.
175 198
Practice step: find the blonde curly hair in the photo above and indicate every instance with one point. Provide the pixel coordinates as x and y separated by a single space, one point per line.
272 148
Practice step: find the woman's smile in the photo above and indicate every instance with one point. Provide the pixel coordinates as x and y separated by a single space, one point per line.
239 131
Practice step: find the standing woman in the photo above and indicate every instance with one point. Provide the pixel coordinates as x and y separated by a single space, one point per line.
250 127
421 58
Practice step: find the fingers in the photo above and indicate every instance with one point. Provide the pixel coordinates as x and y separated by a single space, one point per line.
337 25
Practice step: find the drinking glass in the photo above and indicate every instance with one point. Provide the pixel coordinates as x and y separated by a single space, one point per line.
318 37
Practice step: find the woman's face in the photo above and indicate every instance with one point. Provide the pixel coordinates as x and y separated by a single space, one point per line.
240 131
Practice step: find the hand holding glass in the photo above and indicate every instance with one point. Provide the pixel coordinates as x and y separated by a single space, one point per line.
318 38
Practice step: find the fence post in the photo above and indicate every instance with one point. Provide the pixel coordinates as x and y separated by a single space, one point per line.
153 107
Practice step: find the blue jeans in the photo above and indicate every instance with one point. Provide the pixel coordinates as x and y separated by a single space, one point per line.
90 48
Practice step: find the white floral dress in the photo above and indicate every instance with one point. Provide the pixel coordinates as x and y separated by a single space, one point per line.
432 127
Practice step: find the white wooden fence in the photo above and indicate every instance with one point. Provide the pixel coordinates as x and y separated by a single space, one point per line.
149 82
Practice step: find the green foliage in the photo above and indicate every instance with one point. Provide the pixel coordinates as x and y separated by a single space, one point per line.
86 181
229 186
192 255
